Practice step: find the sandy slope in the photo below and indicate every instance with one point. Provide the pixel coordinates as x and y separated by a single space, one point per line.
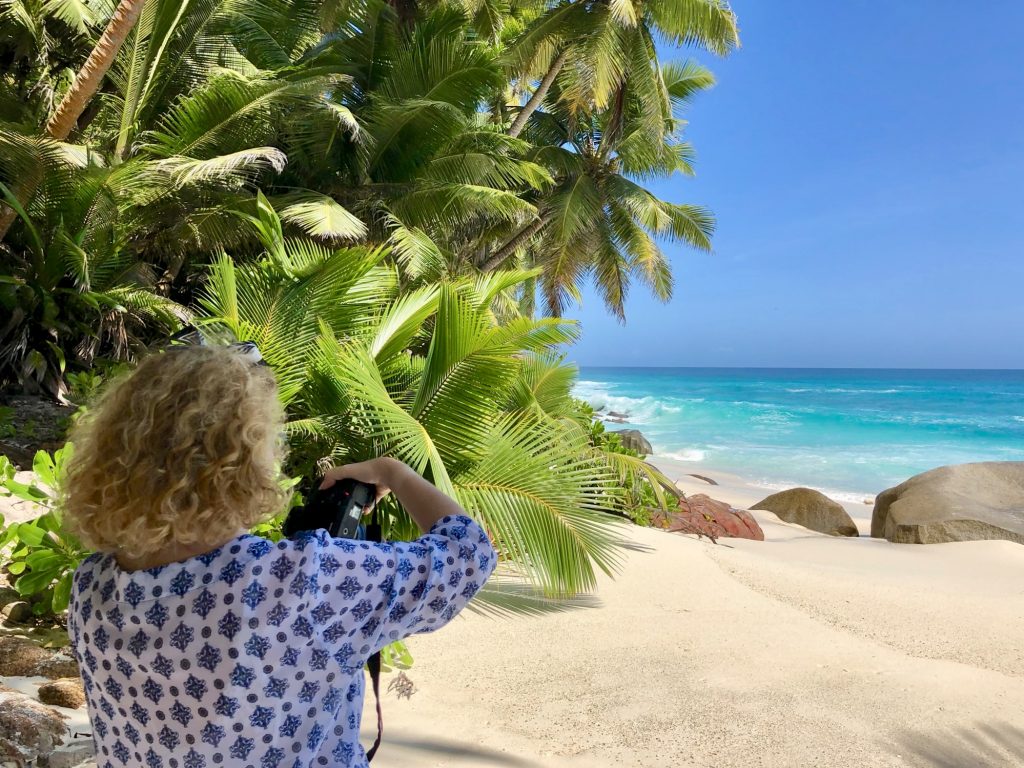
802 650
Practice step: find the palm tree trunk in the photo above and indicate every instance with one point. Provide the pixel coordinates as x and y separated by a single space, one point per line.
89 77
539 94
512 245
86 83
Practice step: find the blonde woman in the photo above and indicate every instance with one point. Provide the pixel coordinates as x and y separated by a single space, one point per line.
202 645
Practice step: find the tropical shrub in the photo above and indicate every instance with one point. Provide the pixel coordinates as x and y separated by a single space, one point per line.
41 555
431 377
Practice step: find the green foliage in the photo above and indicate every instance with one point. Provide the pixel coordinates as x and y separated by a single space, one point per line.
645 489
40 554
7 428
431 377
359 122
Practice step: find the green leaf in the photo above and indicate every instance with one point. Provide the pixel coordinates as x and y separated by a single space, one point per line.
43 467
62 592
44 560
30 535
321 216
34 582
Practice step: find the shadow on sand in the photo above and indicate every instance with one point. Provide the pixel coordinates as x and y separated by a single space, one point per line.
471 755
984 745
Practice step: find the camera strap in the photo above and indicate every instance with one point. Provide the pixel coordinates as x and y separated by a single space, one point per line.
373 533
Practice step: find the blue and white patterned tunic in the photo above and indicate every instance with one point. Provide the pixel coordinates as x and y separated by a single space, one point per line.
252 655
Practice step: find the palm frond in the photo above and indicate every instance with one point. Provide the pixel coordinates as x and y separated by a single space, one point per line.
321 216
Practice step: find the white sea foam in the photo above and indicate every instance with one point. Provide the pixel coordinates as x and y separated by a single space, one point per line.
845 390
690 454
638 410
847 496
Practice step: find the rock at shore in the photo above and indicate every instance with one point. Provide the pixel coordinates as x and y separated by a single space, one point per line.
28 730
961 502
66 692
811 509
20 656
635 441
702 515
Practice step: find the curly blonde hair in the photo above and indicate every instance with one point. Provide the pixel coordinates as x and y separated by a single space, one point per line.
183 450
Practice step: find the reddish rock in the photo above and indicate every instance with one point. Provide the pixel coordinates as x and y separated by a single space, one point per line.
703 515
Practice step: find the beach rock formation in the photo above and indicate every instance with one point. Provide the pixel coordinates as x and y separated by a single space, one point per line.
66 692
28 730
702 515
961 502
20 656
811 509
634 440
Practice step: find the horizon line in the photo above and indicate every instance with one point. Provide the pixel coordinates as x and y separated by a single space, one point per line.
800 368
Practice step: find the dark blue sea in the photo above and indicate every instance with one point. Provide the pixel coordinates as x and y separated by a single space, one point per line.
848 432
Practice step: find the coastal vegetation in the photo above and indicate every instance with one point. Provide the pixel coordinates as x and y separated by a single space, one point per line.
396 201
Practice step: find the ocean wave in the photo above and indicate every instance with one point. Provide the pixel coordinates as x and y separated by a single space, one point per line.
845 390
847 496
691 454
638 410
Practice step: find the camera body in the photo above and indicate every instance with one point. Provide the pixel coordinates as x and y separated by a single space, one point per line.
338 509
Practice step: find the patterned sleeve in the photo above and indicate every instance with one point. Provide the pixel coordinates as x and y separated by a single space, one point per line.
370 594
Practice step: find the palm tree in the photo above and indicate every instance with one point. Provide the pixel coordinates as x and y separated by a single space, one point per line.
84 87
89 77
598 219
590 46
431 377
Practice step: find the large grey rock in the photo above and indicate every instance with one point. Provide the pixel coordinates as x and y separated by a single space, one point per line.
16 613
634 440
28 730
961 502
811 509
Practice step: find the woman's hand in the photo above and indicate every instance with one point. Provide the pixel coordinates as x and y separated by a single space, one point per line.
378 472
424 503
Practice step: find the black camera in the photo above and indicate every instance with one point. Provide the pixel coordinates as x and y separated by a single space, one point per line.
338 509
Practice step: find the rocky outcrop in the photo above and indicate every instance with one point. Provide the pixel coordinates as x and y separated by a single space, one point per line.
36 736
634 440
37 423
16 612
811 509
20 656
704 516
28 730
961 502
65 692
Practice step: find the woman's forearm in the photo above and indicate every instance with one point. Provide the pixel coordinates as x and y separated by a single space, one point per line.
424 503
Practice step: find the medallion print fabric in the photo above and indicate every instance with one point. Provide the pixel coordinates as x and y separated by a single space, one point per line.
252 654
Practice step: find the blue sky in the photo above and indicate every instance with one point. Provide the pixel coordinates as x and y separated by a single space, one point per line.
865 163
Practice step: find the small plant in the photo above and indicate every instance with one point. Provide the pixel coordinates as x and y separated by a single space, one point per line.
7 428
83 386
395 656
43 556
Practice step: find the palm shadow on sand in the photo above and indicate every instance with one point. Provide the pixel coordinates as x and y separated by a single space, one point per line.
984 745
464 753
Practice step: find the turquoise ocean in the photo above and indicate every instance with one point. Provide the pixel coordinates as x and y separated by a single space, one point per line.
851 433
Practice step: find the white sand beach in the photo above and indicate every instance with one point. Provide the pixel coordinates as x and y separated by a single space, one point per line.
801 650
